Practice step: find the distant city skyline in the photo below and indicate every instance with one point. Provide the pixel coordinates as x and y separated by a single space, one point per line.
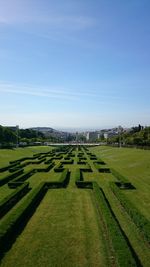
75 64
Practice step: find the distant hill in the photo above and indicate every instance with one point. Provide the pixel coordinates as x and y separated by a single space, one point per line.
50 132
44 129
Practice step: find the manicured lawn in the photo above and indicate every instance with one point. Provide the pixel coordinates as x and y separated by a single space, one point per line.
135 165
67 228
39 177
12 154
5 191
64 231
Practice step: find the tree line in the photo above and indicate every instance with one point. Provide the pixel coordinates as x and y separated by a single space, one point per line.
137 136
12 137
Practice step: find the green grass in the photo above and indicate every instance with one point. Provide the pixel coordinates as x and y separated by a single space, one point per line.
7 155
5 191
12 154
63 232
134 164
39 177
66 229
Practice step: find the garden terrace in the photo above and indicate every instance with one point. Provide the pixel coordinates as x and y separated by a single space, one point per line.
63 207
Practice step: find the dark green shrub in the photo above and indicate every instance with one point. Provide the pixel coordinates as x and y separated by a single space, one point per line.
86 170
139 219
48 161
16 168
82 162
97 165
125 185
124 252
99 162
119 176
78 175
9 177
45 169
11 224
84 184
79 180
8 202
56 169
63 181
67 161
22 177
106 170
6 168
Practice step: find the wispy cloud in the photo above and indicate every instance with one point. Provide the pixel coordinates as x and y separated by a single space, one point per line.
26 12
56 92
35 91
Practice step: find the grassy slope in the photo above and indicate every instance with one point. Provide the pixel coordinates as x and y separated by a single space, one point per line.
66 231
121 159
70 213
135 165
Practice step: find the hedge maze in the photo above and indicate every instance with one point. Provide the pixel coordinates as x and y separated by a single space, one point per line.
25 183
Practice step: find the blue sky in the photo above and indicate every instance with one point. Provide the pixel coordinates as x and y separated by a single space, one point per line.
74 63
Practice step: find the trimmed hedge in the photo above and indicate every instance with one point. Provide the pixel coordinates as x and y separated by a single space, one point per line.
57 157
93 158
63 181
67 158
45 169
71 155
22 159
26 163
14 185
84 184
80 154
9 177
15 168
125 186
99 168
82 158
6 168
78 175
82 162
48 161
119 176
58 169
86 170
139 219
8 202
100 162
124 252
106 170
67 161
11 224
21 178
80 183
38 161
64 177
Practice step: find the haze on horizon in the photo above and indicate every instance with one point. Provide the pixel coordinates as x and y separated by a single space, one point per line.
74 64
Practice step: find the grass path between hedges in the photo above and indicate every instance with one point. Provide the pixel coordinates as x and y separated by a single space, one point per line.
64 231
